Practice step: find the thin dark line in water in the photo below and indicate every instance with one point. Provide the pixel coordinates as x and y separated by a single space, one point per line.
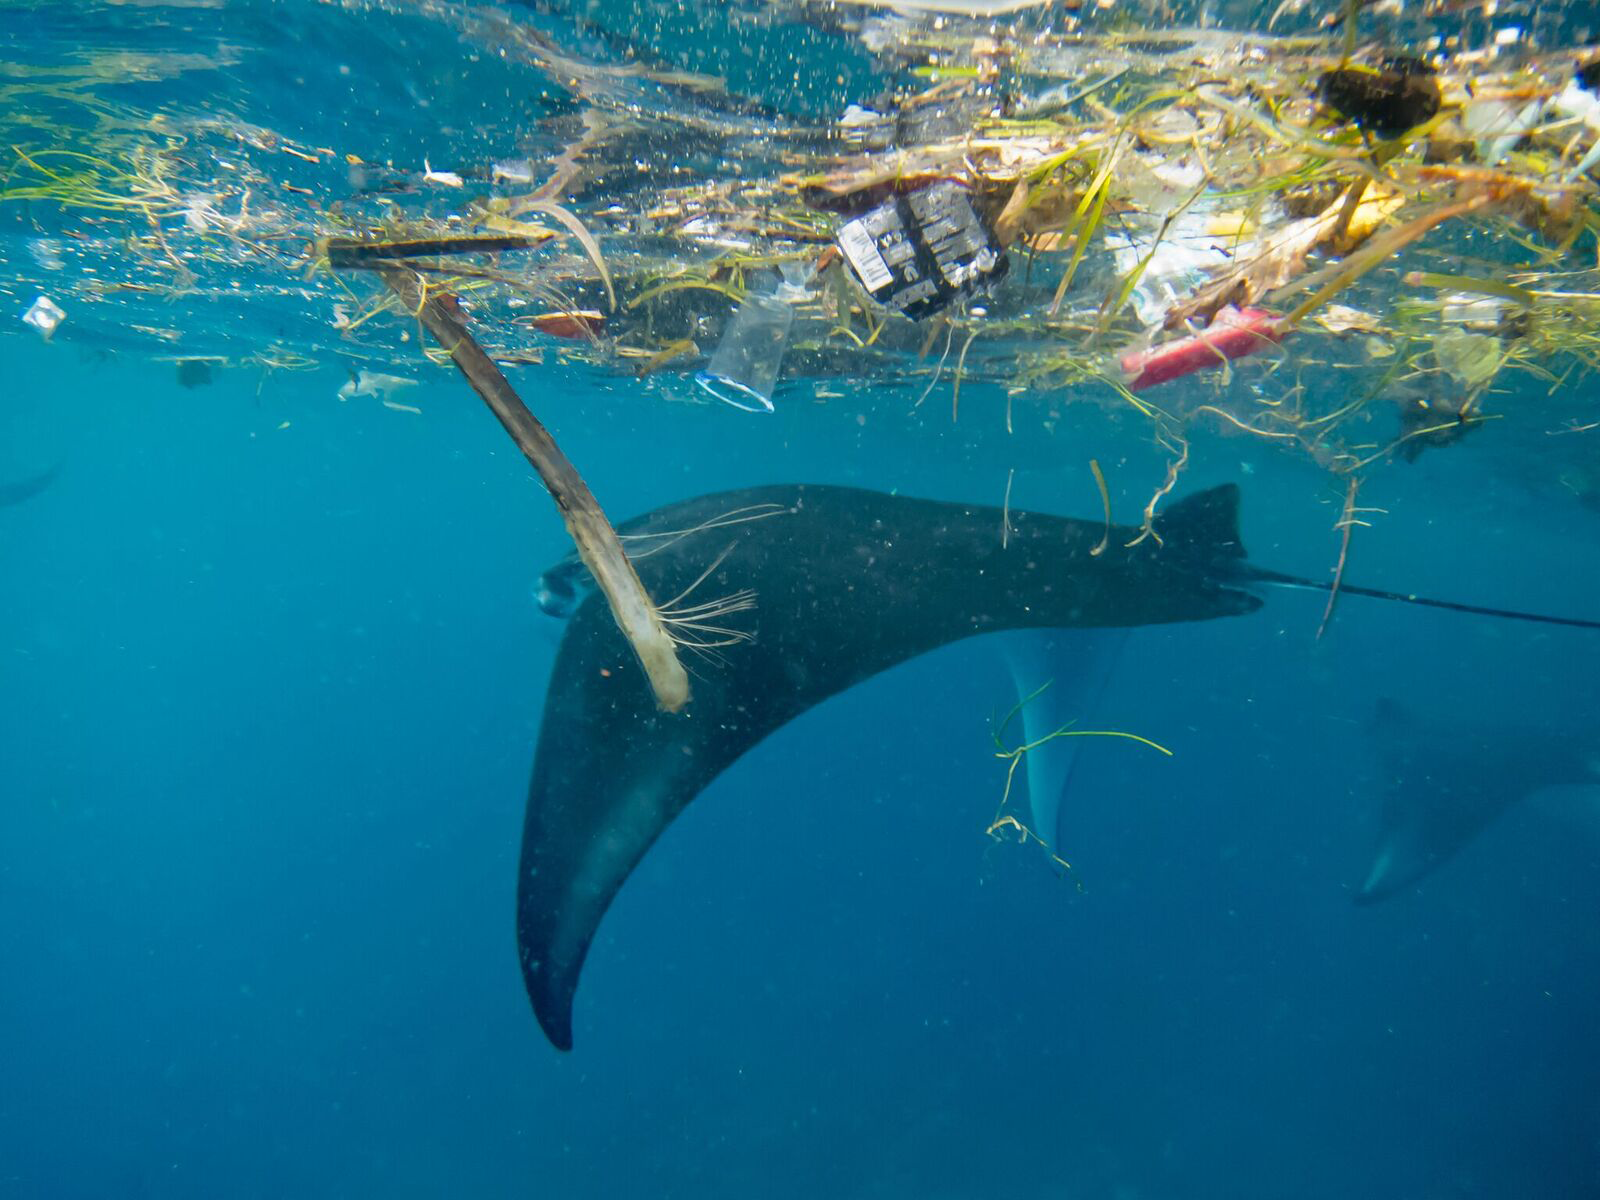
1257 574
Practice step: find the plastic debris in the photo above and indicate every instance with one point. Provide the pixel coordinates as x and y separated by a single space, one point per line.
194 372
744 369
918 252
513 171
443 178
1386 102
374 383
1434 421
1233 333
578 325
1579 101
1497 126
1139 176
44 314
1175 265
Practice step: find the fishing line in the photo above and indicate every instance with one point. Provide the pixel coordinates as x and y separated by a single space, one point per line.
1260 575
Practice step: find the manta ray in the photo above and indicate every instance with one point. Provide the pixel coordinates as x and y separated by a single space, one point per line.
27 489
1445 784
794 593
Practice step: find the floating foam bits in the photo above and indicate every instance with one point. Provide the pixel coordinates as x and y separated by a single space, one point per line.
44 314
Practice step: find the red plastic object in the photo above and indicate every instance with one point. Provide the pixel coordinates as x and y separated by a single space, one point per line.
1233 333
585 323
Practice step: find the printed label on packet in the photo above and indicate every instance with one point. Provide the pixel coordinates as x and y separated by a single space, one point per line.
862 252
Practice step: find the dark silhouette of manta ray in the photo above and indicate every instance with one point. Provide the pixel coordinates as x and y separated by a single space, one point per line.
1448 779
27 489
846 583
794 593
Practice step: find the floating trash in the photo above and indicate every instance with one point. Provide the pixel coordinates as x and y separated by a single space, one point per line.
194 372
1233 333
374 383
1386 102
916 253
744 369
578 325
1001 207
1580 101
1436 420
44 314
1498 125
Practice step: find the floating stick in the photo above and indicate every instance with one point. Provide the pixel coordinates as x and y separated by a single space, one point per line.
348 252
1105 501
1347 521
597 543
1005 511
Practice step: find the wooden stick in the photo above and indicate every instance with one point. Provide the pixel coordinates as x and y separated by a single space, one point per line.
350 252
1347 522
597 542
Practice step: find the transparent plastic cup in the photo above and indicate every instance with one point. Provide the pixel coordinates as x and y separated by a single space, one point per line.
744 369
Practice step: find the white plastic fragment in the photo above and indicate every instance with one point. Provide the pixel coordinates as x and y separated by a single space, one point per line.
1578 103
1179 262
46 252
44 314
447 178
1497 126
1472 311
373 383
512 171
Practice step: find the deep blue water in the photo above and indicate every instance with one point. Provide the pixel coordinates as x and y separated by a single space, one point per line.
267 705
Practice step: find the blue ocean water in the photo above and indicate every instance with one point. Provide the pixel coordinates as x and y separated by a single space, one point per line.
271 672
269 700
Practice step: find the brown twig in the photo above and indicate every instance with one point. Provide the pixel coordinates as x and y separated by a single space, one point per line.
636 615
1105 502
1347 521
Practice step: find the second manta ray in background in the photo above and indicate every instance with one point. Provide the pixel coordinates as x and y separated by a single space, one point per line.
26 489
797 592
1445 783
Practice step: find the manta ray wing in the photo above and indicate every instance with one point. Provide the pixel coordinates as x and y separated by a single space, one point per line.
1073 668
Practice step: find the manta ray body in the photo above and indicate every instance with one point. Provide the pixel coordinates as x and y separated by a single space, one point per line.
846 583
796 592
1446 783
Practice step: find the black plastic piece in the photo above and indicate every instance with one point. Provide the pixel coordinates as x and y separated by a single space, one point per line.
918 252
1387 101
346 253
